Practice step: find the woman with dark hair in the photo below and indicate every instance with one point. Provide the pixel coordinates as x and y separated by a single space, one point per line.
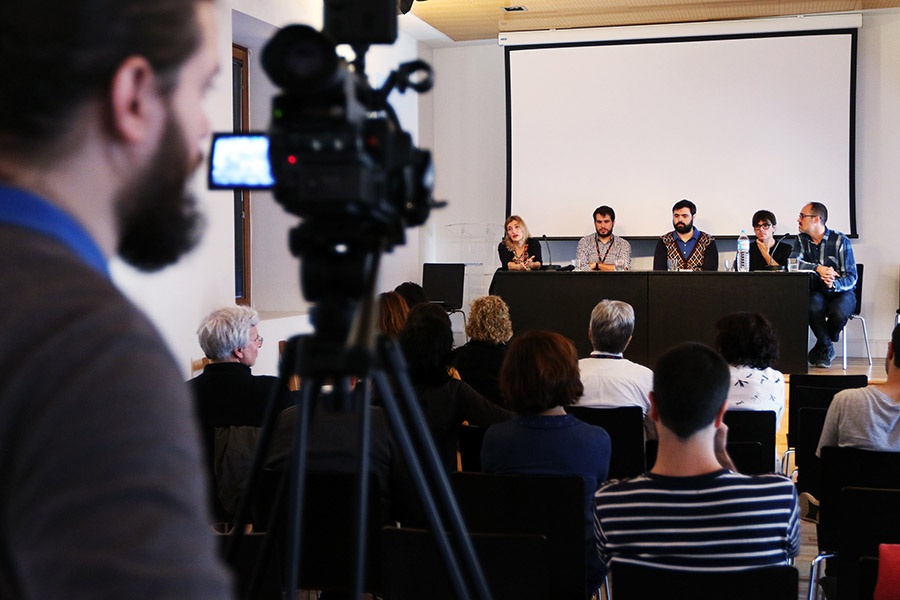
427 343
478 362
518 250
766 253
748 344
392 313
412 292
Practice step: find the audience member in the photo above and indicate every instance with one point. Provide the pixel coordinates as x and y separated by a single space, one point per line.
869 417
101 122
230 400
691 511
748 344
392 313
518 250
599 251
478 361
690 248
829 254
427 343
766 252
412 293
539 378
610 379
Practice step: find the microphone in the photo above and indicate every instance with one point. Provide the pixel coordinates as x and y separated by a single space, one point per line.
775 247
550 266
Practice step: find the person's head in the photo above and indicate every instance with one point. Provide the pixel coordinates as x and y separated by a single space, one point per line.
540 371
392 312
229 334
427 343
812 218
690 385
612 323
515 231
893 357
746 340
489 320
412 292
683 216
764 223
122 84
604 221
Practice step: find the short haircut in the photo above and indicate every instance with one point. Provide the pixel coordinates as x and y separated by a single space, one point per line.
412 292
820 210
525 233
540 371
747 340
489 320
225 329
685 203
612 323
690 385
66 52
763 215
895 341
392 313
427 344
606 211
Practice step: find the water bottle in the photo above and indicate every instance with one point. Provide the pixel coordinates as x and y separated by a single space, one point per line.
743 252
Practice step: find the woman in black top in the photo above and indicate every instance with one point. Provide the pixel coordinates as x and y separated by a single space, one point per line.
766 252
518 250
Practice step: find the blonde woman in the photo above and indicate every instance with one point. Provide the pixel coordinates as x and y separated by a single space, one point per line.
488 330
518 250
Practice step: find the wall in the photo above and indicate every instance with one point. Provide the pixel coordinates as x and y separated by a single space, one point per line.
470 151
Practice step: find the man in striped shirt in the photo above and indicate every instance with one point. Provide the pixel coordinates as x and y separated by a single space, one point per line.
692 511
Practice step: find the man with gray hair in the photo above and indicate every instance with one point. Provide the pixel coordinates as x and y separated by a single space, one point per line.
610 379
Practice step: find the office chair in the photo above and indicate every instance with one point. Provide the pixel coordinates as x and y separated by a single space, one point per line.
856 315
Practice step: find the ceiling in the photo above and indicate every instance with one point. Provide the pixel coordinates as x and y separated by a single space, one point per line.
464 20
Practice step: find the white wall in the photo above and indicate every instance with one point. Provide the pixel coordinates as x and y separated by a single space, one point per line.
470 148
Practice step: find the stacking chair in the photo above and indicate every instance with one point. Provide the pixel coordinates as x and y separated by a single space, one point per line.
515 566
470 440
634 582
547 505
625 426
752 427
855 315
867 517
809 467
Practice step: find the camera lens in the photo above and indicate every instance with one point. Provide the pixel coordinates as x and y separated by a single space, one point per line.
301 60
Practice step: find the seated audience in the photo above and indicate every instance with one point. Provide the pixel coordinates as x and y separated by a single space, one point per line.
539 378
230 400
392 313
748 344
691 511
609 379
518 250
427 344
412 292
478 361
766 252
869 417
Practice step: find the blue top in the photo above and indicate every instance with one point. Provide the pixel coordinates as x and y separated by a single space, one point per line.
687 247
24 209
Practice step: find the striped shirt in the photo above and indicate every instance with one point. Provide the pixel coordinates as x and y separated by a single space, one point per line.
713 522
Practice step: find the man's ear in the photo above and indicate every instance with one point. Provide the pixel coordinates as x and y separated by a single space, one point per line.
721 416
135 99
653 412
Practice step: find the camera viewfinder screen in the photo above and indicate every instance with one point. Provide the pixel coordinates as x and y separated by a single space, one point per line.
240 161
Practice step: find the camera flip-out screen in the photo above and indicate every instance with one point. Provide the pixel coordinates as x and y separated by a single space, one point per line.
240 161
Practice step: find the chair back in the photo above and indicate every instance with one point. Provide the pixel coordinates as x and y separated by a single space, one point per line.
634 582
753 426
548 505
470 440
515 566
811 421
795 401
851 467
625 426
867 517
857 291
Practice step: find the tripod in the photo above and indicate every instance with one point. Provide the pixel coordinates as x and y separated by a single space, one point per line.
320 358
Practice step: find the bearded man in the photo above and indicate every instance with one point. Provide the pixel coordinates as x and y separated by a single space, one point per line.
689 248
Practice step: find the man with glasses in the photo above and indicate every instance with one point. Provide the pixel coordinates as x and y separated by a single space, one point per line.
829 255
767 252
230 400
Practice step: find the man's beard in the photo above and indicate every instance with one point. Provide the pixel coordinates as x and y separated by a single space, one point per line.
684 227
605 234
158 218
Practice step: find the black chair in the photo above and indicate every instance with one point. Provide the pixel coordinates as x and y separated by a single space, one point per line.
470 440
867 517
855 315
809 467
752 426
634 582
548 505
515 566
244 563
625 426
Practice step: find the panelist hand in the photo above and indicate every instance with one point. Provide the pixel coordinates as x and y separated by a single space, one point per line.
827 274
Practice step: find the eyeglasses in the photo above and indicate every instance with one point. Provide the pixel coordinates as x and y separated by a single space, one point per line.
763 226
802 216
258 340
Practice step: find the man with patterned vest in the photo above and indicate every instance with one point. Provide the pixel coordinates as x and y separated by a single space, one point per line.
692 249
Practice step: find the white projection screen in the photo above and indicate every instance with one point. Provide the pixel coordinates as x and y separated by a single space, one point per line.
733 123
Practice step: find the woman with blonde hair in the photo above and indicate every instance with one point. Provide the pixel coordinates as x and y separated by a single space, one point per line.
488 329
518 250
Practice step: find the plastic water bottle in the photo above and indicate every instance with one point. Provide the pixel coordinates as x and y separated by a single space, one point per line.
743 252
